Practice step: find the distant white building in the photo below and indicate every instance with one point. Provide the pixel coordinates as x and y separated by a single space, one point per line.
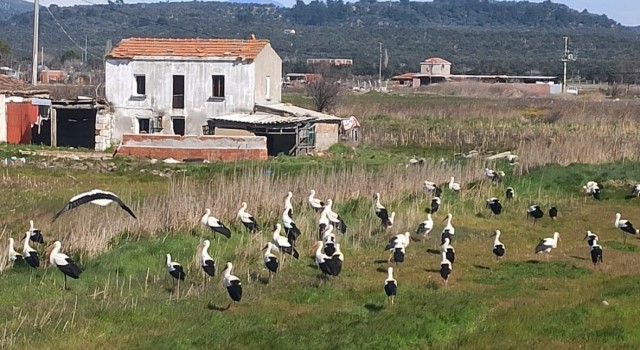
176 85
435 66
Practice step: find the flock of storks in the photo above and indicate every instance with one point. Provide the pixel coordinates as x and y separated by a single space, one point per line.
328 256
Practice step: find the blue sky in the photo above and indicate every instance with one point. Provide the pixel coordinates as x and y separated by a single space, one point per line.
627 12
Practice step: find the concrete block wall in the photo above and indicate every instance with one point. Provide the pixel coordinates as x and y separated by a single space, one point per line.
104 130
212 148
326 135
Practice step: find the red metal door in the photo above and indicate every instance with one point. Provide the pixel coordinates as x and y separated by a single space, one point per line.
19 119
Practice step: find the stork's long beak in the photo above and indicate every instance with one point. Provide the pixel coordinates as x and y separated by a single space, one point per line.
314 246
264 248
48 251
445 218
585 236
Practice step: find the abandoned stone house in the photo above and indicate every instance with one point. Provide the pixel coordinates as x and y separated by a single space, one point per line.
223 87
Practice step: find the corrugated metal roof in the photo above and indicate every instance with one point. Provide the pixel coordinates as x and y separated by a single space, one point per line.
202 48
261 119
297 111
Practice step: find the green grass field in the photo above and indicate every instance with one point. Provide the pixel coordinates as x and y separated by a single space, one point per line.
125 299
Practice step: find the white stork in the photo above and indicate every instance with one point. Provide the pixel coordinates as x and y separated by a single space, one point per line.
214 224
626 226
290 227
553 213
232 283
510 193
593 188
98 197
29 254
35 234
445 269
494 204
329 240
282 243
390 286
498 247
381 212
247 219
206 262
429 186
322 260
288 207
547 244
635 191
590 237
435 205
315 203
335 219
13 255
270 260
596 253
337 258
425 227
397 245
175 269
448 231
454 186
448 249
535 212
64 263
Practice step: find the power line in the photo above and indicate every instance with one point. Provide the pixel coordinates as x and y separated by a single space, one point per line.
69 36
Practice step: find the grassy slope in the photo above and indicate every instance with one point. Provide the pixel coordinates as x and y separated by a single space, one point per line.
122 299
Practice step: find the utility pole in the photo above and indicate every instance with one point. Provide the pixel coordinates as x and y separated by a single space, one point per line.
380 66
34 70
567 56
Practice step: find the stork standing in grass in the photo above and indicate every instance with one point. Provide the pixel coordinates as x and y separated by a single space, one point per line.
315 203
329 240
510 193
498 247
337 259
396 246
334 218
596 253
64 263
233 285
635 191
322 260
626 226
425 227
494 176
447 248
590 237
445 269
29 254
35 234
214 224
545 245
535 212
494 204
282 243
176 271
381 212
435 205
553 213
288 206
14 256
290 227
594 189
270 260
454 186
247 219
390 287
206 262
448 231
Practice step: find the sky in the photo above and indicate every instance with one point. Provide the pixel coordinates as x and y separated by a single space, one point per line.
627 12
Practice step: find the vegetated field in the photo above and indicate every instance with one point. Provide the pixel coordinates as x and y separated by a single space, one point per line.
124 297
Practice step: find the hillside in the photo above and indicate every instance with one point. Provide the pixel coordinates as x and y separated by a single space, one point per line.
9 8
477 36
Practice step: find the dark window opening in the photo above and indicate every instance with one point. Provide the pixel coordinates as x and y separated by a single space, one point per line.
178 125
178 91
218 85
144 125
141 86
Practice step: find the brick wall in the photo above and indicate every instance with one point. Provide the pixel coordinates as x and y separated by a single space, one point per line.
213 148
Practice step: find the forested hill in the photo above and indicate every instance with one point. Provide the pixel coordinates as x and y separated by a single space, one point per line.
478 36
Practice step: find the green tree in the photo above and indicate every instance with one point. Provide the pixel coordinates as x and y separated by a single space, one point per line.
69 55
5 52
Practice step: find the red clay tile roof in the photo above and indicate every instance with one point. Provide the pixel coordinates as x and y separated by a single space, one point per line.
132 47
436 60
9 85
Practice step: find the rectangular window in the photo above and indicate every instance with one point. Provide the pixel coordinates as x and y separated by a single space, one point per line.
141 88
178 125
268 87
218 85
144 125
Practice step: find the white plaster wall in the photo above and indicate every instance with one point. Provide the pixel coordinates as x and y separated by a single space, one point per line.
268 64
3 119
159 72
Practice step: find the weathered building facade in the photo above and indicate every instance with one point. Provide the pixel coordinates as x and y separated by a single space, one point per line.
176 85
